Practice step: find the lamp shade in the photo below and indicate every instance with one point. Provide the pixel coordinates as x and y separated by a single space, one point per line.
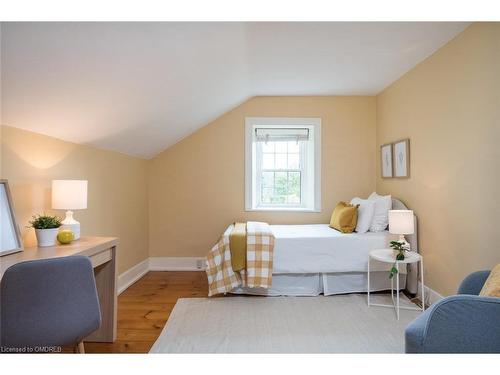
401 222
69 194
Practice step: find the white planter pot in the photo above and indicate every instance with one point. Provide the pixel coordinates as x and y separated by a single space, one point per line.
46 237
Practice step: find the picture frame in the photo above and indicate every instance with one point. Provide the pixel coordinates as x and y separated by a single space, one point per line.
10 236
401 158
386 160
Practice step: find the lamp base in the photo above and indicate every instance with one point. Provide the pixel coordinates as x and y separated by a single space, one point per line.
70 223
403 240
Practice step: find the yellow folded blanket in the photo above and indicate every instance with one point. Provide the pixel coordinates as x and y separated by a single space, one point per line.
238 246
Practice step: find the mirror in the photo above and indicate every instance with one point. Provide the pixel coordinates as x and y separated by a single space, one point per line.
10 238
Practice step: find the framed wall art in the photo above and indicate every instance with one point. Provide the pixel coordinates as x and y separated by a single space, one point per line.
386 160
401 152
10 237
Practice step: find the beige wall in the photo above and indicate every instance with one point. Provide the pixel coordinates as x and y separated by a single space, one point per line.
117 196
196 187
449 107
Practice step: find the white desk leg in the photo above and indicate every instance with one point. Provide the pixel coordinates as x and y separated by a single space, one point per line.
422 281
397 291
368 294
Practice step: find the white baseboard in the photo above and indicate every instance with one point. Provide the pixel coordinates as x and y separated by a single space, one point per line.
176 264
431 296
159 264
132 275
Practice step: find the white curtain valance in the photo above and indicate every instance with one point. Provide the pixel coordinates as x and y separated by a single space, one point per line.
281 134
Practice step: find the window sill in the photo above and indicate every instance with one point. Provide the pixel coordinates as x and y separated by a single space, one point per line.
283 209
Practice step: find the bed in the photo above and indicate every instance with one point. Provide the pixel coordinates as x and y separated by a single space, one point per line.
315 259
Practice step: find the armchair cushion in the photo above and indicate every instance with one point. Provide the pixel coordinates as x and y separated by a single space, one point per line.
457 324
473 283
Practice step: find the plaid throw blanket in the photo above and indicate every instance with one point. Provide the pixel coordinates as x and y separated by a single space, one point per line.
259 267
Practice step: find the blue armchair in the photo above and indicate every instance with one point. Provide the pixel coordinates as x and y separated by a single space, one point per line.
464 323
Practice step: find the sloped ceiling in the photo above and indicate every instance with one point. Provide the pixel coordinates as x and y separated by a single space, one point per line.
138 88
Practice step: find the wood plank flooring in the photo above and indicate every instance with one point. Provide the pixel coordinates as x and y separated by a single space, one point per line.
143 309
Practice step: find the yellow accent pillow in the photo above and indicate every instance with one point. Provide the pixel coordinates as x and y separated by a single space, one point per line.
344 217
491 287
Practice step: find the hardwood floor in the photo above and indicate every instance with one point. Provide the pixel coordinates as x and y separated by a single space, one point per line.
143 309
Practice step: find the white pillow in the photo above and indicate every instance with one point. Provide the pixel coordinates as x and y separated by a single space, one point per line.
380 220
365 214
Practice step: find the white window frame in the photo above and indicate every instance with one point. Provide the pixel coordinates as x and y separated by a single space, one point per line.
251 182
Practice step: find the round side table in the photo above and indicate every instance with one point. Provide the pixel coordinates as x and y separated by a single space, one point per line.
389 256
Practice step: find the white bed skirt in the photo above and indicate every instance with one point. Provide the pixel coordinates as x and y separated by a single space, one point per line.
324 283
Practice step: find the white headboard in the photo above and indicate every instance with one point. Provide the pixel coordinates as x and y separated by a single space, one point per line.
398 205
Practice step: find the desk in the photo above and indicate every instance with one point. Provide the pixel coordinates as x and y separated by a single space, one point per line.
102 253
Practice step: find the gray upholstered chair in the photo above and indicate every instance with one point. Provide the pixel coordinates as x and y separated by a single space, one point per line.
464 323
48 303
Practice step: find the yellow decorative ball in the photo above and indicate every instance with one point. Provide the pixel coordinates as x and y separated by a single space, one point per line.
65 236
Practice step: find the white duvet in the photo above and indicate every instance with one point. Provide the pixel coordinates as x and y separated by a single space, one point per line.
317 248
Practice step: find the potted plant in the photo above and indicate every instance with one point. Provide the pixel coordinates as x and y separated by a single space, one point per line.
400 247
46 228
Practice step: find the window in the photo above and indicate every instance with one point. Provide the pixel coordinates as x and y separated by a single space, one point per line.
283 164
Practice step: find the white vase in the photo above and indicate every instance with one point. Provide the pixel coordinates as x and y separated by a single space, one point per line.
46 237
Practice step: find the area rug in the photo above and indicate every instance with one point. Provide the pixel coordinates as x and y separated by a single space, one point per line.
333 324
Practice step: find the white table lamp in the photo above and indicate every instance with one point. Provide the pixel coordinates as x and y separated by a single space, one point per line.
69 195
401 222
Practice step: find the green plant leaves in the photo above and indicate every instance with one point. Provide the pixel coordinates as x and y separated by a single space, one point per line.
393 271
396 245
44 222
400 247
